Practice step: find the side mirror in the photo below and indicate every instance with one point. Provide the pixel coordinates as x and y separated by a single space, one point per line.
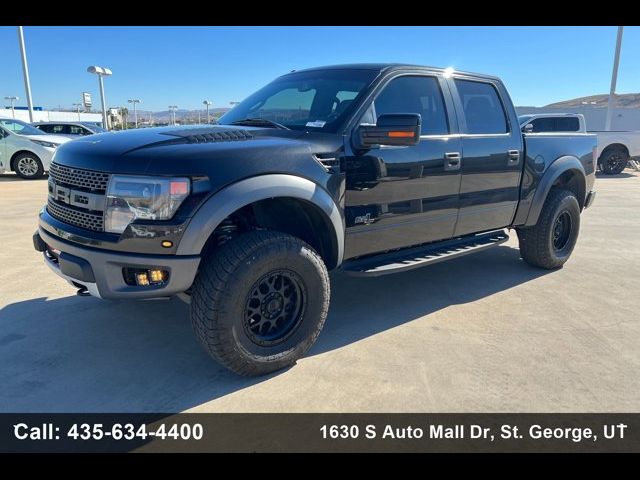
528 128
398 129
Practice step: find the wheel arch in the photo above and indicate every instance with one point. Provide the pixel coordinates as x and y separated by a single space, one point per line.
566 171
307 203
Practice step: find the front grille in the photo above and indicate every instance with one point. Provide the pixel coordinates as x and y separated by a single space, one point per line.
72 216
77 177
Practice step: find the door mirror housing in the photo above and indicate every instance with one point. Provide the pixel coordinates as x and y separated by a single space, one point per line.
397 129
528 128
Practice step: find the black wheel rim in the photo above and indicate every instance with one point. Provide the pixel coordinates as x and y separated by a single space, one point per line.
274 307
561 231
616 161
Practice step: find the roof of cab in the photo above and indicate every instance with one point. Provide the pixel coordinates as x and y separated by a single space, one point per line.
389 67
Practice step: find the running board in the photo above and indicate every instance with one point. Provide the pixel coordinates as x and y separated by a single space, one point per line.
410 258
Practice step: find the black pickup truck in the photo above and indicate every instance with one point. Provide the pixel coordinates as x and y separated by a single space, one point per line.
372 169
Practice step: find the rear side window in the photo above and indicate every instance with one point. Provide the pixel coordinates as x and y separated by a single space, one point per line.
482 107
556 124
419 94
45 128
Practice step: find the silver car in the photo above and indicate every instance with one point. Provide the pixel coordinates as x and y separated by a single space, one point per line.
25 149
69 129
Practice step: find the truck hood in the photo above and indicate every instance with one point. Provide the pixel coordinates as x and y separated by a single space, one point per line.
189 150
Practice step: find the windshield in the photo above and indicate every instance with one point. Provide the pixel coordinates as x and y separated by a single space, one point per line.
19 127
93 126
522 119
317 100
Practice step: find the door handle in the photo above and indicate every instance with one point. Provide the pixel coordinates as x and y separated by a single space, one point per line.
452 161
514 156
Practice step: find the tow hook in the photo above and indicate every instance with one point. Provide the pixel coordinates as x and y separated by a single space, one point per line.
83 292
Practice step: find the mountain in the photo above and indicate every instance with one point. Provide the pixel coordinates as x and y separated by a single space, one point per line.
182 115
623 100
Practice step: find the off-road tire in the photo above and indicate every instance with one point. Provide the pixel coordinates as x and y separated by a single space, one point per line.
32 168
613 161
223 287
537 242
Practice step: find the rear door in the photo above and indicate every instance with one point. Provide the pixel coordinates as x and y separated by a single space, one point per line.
492 150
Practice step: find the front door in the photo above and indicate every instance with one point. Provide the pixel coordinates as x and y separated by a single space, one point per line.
402 196
491 163
4 160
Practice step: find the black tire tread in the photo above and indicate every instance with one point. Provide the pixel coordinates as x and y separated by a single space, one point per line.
214 285
533 240
40 172
605 154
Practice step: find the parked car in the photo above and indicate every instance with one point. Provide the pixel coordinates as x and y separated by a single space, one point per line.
69 129
373 169
615 149
26 150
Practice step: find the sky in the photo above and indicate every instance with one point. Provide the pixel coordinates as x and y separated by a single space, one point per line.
184 65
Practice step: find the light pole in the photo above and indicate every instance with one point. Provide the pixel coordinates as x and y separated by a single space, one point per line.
77 105
12 99
207 103
614 79
25 72
172 109
101 72
135 112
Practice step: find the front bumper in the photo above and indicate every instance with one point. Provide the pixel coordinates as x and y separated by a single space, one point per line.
100 271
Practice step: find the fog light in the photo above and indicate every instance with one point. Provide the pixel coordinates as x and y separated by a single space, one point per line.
167 243
145 277
156 276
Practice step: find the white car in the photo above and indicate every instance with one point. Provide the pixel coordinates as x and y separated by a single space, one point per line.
26 150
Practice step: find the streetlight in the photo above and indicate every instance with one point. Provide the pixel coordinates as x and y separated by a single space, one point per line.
207 103
101 72
12 99
78 105
135 112
614 79
172 109
25 72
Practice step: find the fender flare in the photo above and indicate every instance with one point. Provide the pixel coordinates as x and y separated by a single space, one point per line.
557 168
240 194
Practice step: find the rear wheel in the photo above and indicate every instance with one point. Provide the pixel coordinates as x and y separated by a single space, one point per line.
614 160
550 242
28 166
260 301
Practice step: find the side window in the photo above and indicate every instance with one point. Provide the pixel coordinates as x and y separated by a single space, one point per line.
76 130
482 107
45 128
412 94
567 124
55 129
544 124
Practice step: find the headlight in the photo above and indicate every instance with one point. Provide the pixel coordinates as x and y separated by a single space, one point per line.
45 144
149 198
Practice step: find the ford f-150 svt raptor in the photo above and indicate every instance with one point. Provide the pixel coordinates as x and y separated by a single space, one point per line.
372 169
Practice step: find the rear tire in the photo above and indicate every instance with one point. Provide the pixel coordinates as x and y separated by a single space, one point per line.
613 161
260 301
550 242
28 166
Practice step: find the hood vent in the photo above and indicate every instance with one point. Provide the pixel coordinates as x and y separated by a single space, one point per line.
211 136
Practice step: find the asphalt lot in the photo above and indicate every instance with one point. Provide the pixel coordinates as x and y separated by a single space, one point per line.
484 333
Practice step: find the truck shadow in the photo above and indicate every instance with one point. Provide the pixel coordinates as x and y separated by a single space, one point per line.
78 354
602 176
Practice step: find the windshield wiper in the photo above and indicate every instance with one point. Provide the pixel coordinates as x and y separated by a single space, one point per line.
259 122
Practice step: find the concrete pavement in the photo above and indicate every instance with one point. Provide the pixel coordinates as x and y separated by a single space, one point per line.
484 333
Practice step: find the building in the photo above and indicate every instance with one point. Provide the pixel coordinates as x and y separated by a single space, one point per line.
52 116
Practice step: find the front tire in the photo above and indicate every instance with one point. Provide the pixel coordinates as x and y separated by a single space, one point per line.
613 161
260 301
550 242
28 166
